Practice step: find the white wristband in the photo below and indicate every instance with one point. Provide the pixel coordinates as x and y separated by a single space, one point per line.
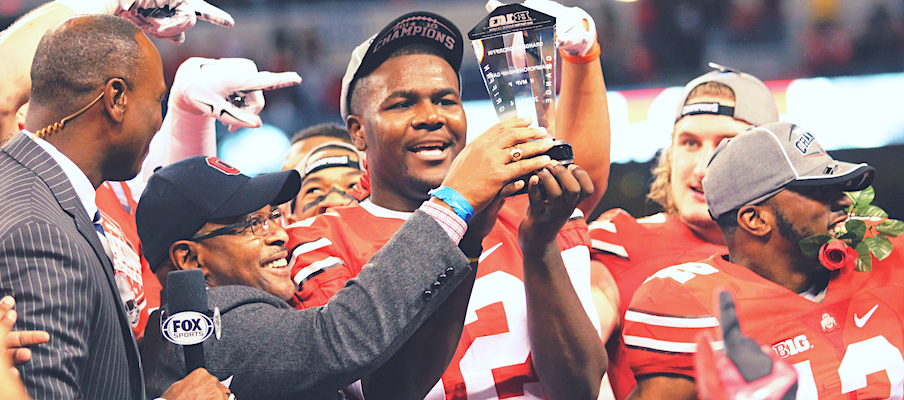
109 7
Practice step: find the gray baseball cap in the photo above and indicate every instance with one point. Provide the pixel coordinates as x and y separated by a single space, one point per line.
762 161
754 103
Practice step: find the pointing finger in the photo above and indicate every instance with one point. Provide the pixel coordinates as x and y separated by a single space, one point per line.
211 14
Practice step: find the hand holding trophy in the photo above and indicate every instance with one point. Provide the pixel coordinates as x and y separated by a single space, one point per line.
516 49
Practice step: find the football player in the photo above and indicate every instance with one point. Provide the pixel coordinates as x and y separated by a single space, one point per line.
767 189
330 166
714 106
402 106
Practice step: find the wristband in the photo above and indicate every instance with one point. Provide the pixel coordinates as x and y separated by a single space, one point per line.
473 259
454 200
592 54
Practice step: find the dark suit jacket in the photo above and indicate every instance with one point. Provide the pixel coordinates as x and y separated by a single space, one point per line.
275 352
52 262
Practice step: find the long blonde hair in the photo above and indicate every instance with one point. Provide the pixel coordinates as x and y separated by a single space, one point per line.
661 188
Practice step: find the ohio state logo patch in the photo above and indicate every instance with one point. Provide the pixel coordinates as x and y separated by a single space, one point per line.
221 166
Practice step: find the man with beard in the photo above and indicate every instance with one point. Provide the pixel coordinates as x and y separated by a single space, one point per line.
717 105
767 189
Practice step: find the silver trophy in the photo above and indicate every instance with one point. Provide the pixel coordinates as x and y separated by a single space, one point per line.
516 50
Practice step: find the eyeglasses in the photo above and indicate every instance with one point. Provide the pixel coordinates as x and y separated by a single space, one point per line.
259 223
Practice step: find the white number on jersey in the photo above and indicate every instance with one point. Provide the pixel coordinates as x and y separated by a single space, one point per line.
860 359
684 272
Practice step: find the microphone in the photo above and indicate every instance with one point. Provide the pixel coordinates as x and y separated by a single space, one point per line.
188 324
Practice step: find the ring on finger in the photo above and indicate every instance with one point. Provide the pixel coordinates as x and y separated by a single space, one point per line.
515 154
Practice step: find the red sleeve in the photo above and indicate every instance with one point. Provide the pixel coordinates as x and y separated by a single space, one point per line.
319 260
608 235
573 234
666 315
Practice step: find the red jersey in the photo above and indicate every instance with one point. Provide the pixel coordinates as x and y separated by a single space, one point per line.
633 249
492 360
139 288
848 346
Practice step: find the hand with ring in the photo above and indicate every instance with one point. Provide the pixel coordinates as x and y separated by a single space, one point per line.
492 162
516 154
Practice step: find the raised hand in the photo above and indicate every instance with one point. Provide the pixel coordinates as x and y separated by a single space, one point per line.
745 371
496 158
169 19
554 193
228 89
575 30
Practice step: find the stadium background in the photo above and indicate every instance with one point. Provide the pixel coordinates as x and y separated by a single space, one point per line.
835 66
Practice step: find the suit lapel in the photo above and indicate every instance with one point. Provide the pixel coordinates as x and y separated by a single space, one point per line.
32 156
24 150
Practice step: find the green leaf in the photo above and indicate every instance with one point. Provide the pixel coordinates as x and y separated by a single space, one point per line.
855 229
870 211
891 227
879 245
810 246
863 263
862 198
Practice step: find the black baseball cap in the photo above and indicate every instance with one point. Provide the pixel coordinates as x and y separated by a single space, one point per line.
180 198
419 27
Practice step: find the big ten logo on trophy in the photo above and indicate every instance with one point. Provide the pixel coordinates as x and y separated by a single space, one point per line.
510 18
187 328
515 47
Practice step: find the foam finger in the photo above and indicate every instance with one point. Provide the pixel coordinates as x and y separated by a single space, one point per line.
212 14
239 119
172 26
265 80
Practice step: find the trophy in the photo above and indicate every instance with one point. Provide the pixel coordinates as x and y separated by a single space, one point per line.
516 49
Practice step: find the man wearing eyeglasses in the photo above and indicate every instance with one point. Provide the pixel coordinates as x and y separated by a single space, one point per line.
202 213
94 109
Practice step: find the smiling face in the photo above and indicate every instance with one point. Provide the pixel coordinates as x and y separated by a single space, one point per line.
695 138
241 258
408 119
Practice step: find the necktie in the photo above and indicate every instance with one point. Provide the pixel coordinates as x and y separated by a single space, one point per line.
102 236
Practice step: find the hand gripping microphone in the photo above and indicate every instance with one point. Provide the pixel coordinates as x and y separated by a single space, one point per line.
188 323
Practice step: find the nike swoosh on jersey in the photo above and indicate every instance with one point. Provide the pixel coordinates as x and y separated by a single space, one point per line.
862 321
488 252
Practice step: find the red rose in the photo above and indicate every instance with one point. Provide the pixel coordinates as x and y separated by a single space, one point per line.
836 254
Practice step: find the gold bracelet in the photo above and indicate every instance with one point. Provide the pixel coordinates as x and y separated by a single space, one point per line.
473 259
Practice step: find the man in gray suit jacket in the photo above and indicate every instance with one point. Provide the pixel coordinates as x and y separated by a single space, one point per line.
97 83
202 213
